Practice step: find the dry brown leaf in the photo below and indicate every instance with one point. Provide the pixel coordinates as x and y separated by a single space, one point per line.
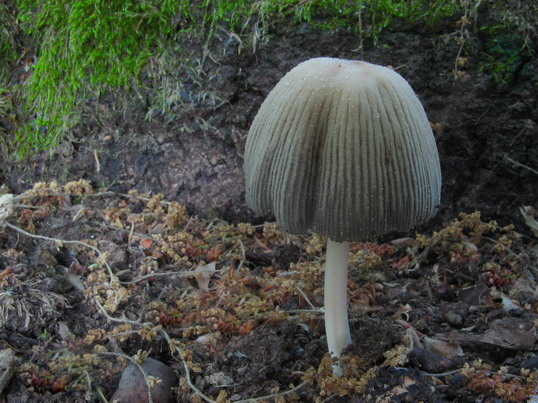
203 275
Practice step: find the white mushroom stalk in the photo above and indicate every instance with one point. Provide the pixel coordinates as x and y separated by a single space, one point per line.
335 299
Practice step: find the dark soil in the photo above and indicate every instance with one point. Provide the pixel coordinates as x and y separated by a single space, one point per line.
448 316
486 133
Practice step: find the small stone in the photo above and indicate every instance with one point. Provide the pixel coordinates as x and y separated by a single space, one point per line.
454 319
430 362
133 387
531 363
46 258
8 364
472 295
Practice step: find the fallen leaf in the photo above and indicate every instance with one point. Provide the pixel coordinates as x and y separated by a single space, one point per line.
203 275
444 348
509 333
146 243
404 242
429 361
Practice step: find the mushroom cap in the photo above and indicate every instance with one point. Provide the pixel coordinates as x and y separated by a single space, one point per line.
342 148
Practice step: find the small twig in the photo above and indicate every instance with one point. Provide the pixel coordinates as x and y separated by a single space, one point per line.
507 158
101 394
79 213
26 207
269 397
131 233
243 253
89 382
299 311
305 297
97 164
66 242
124 334
176 273
186 369
112 319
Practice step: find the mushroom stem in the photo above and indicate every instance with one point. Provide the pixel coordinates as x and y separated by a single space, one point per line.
335 299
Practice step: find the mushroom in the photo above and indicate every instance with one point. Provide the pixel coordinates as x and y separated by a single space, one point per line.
342 148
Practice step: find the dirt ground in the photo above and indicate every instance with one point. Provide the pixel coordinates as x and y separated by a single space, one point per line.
133 240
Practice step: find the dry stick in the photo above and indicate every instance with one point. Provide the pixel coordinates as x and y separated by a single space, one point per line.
101 394
287 392
79 213
148 276
243 254
89 381
55 240
97 163
130 238
190 273
305 297
186 369
507 158
112 319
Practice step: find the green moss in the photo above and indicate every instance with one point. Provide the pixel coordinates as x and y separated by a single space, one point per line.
370 17
8 56
504 56
87 47
507 39
6 112
8 45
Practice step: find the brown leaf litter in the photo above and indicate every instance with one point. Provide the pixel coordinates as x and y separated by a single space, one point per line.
91 282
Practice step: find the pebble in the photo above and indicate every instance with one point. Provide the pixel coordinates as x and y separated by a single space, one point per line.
133 388
453 318
531 363
430 362
8 364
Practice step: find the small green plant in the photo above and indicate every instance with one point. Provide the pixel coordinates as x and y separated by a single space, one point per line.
504 57
509 39
45 335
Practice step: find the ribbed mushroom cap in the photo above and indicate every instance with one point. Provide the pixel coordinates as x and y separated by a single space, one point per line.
343 148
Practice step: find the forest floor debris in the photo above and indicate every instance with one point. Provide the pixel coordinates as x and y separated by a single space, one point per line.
93 282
